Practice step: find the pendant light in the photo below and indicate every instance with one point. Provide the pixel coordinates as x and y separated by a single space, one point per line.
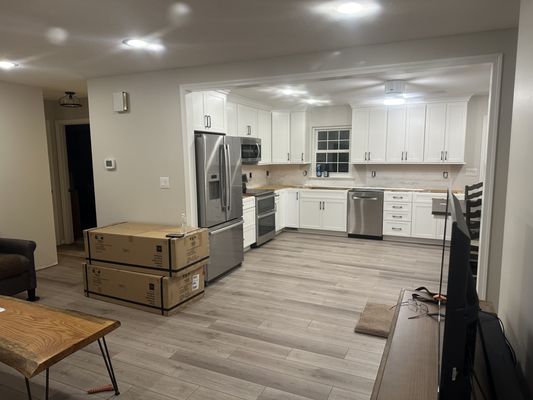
70 100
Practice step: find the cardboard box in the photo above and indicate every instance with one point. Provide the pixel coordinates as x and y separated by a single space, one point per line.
146 245
158 294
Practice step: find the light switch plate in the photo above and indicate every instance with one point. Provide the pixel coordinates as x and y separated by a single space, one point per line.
164 182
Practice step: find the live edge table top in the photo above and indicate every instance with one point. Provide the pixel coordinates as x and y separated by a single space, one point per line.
34 337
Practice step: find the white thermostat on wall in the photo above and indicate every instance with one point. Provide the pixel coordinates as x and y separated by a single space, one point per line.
110 164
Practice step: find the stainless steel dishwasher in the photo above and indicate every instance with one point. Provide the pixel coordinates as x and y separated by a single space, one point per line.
365 213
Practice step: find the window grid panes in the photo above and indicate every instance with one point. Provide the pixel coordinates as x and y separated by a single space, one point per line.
333 150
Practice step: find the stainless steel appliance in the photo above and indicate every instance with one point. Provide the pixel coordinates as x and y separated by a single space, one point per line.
365 213
219 192
250 150
265 215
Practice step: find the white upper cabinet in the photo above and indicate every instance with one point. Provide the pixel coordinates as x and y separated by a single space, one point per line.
455 132
359 142
369 135
445 132
247 121
298 146
396 134
231 118
415 128
405 133
377 134
209 111
281 139
264 129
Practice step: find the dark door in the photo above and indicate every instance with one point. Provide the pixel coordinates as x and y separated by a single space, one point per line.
80 167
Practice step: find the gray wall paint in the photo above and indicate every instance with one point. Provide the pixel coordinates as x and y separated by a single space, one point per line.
517 263
147 142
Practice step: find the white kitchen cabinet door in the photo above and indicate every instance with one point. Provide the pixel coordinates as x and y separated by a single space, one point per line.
247 121
310 213
359 142
334 215
415 128
439 227
264 129
298 137
199 116
435 132
377 134
423 224
292 208
281 137
280 202
455 132
396 134
231 119
215 109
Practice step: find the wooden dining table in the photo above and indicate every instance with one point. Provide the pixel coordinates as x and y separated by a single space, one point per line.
34 337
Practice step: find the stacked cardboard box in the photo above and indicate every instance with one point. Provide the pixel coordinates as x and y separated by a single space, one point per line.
156 268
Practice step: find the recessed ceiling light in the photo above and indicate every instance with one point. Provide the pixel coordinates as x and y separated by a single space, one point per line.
394 101
7 65
316 101
292 92
350 8
143 44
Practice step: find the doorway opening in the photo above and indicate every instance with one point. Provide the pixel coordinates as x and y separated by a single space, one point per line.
81 182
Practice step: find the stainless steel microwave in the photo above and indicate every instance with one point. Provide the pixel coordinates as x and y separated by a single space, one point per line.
250 150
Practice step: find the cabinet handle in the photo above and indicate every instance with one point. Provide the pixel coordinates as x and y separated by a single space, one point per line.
397 216
302 156
320 205
249 129
397 197
288 156
442 156
206 122
297 195
397 207
323 205
405 156
402 155
446 155
396 229
368 156
209 119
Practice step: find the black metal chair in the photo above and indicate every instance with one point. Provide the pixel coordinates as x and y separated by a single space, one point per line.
473 206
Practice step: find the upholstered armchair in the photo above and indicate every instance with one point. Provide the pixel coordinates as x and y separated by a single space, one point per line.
17 267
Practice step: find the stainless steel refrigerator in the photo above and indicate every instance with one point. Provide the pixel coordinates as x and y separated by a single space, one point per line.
219 191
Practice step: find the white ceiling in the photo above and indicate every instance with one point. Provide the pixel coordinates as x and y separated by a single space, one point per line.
369 89
213 32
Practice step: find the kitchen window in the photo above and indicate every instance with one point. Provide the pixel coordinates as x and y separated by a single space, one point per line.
332 150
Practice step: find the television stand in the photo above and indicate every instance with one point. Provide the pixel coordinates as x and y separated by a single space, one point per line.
410 361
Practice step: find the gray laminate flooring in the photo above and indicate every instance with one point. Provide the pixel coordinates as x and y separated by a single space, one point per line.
278 328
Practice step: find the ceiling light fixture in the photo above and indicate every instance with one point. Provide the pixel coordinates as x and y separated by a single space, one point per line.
394 101
350 8
70 100
288 91
316 101
7 65
143 44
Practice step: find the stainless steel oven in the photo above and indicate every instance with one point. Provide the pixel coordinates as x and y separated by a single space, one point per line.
250 150
265 211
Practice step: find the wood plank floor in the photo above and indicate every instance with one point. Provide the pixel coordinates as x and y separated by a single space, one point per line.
278 328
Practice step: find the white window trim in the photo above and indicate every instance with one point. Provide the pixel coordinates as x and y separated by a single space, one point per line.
334 175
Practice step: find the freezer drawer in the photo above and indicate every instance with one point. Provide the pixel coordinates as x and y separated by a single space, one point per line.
225 248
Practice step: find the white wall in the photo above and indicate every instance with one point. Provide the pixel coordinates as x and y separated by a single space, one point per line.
147 142
329 116
25 193
517 263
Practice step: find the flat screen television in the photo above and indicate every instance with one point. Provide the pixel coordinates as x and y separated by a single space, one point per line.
457 330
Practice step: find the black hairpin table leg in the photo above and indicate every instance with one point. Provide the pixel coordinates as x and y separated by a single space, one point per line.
108 365
47 385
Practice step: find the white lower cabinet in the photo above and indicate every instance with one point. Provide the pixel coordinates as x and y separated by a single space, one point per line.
424 223
280 202
292 208
323 209
395 228
439 227
248 214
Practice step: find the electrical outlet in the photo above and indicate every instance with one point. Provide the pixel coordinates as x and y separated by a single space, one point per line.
250 175
373 173
268 173
164 182
445 174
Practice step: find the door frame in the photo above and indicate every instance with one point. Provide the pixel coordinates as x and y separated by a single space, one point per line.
495 60
61 190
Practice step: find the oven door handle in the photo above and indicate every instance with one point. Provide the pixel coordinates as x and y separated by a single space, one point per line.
261 198
268 214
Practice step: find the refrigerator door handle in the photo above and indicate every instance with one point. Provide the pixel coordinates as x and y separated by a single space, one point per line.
228 173
223 185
